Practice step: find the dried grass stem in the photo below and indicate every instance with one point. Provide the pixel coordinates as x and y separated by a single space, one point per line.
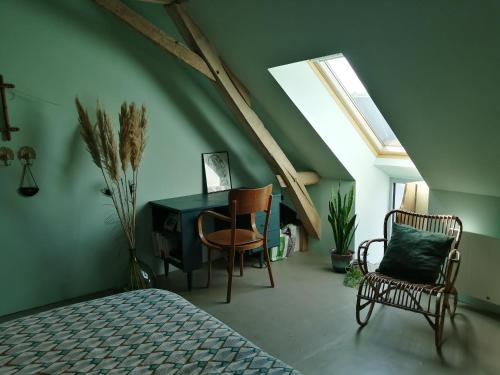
118 161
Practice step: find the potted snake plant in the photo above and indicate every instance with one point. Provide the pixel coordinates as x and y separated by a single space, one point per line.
344 226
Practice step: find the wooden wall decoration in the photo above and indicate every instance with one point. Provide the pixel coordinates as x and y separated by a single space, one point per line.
6 156
5 127
201 56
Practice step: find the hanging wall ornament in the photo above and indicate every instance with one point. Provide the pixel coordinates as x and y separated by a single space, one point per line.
28 186
6 156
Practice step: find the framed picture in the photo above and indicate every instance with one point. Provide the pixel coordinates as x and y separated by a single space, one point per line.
217 172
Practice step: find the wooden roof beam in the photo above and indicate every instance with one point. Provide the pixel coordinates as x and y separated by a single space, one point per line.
191 43
165 41
306 177
155 34
251 122
163 2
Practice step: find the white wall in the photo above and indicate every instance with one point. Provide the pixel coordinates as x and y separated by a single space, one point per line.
321 111
479 252
480 246
480 214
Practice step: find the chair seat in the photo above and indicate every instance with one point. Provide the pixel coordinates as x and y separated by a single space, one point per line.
381 278
391 291
244 238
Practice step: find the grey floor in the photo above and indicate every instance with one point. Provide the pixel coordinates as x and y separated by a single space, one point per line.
308 321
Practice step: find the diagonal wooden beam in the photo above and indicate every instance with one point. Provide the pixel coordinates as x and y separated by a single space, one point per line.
165 41
164 2
306 177
191 43
238 84
158 36
251 122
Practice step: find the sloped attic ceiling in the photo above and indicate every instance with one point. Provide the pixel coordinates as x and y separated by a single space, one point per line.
432 68
281 117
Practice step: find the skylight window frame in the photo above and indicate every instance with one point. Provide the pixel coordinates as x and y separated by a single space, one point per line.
342 97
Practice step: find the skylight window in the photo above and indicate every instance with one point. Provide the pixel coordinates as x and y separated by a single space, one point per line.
339 75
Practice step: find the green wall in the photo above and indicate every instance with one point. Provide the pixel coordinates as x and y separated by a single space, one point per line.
480 214
65 242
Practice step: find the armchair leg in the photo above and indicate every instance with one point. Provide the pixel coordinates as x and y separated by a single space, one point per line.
360 306
268 264
241 264
452 308
438 332
439 322
209 266
230 275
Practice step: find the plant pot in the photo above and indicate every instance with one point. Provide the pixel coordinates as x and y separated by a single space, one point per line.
141 276
340 261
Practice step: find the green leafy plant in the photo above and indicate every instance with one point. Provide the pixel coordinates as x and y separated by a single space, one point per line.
353 277
342 220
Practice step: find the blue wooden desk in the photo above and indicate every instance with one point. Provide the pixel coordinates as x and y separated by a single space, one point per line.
187 254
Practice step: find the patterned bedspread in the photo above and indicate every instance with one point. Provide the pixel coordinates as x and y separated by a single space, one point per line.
141 332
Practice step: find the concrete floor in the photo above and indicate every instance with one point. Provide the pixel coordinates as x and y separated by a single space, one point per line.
308 321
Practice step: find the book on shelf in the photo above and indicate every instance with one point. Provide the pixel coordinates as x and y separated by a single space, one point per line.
172 222
163 247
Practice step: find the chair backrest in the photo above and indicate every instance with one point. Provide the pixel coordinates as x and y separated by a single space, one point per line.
446 224
250 201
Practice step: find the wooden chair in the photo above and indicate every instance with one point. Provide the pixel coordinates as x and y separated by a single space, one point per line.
430 300
238 240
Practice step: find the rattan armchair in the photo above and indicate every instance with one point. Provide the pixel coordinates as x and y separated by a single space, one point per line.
430 300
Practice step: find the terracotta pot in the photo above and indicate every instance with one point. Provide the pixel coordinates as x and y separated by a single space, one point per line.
340 261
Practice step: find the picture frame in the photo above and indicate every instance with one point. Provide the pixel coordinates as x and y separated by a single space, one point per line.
216 171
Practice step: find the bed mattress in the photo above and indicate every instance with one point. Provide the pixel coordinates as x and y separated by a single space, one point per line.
140 332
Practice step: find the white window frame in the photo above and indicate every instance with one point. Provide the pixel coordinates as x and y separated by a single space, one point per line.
344 100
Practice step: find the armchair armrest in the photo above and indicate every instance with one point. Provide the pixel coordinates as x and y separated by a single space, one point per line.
452 269
363 252
199 223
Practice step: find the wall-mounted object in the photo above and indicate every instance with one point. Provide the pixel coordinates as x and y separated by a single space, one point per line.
6 156
107 192
216 170
5 127
27 188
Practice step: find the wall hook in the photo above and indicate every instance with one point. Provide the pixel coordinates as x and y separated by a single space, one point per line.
6 156
27 189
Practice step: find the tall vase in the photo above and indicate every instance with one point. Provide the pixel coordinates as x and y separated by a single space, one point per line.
141 276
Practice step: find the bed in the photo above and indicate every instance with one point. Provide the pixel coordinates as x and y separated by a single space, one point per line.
140 332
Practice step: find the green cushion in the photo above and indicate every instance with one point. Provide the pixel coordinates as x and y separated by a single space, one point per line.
415 255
